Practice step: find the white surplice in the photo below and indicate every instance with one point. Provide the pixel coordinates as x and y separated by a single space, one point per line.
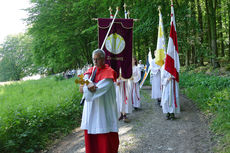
117 96
167 100
156 80
135 88
124 97
100 113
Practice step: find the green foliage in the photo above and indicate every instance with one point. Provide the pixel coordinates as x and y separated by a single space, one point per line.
65 34
16 59
211 93
59 77
33 113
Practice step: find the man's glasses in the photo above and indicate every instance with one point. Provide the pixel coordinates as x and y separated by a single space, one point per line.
96 59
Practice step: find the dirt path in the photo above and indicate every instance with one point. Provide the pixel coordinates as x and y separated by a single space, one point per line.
149 132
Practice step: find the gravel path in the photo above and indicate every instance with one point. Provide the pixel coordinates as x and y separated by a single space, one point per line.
149 132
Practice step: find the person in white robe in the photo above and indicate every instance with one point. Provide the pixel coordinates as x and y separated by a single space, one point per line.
141 68
136 77
100 115
170 97
156 81
124 99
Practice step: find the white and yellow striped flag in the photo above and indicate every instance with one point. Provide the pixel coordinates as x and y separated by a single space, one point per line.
160 51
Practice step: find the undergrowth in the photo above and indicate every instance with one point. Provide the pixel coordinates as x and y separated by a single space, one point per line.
212 95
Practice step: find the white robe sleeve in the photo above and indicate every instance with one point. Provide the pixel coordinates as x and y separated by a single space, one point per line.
164 77
136 74
154 67
102 87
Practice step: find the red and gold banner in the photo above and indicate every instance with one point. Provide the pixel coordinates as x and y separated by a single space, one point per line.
118 45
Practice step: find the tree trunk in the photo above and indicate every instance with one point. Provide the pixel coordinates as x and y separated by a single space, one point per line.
220 29
193 32
146 48
138 47
193 54
228 30
212 12
134 48
208 27
187 56
200 21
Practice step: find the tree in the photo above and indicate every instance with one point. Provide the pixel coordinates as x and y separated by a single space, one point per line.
200 31
64 34
212 17
16 58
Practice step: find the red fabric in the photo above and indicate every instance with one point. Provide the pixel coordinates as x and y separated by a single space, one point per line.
125 93
106 72
172 57
169 66
173 35
101 143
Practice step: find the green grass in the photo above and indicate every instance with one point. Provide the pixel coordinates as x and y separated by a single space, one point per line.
212 95
33 113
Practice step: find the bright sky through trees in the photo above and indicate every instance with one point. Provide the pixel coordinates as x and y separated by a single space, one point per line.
11 15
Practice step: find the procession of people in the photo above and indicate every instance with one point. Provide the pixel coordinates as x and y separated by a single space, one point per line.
110 100
112 90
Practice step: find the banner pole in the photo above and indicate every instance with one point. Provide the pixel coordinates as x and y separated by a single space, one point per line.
102 46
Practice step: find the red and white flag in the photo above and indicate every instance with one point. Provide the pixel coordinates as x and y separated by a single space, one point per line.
172 63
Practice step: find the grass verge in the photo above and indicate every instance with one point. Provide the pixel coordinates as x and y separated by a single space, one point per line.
211 94
33 113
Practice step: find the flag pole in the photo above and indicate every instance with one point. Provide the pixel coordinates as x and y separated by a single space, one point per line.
128 13
102 46
110 10
171 80
151 57
125 10
159 9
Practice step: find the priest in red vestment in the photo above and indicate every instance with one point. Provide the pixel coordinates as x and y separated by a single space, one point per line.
100 114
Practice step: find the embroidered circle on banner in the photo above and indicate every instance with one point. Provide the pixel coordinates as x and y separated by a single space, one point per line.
115 43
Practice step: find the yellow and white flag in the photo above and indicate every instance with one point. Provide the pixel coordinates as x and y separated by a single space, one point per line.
160 51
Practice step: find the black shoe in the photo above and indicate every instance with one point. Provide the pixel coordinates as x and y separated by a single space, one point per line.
125 119
159 102
172 116
168 116
121 117
137 109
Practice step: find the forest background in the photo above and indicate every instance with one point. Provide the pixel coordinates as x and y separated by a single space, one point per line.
62 34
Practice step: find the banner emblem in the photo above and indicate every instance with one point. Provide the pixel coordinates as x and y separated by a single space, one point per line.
115 43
